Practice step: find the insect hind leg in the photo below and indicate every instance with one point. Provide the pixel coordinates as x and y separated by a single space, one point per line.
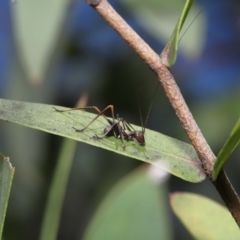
100 113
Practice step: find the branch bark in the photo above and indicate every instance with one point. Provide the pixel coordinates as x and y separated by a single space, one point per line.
176 99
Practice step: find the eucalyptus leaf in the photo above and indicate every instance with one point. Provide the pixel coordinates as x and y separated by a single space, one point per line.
6 177
136 208
52 213
229 146
37 26
204 218
176 157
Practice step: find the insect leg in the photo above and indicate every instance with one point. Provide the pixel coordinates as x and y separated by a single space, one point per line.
100 113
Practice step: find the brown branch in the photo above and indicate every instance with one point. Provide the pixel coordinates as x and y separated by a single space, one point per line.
176 99
228 195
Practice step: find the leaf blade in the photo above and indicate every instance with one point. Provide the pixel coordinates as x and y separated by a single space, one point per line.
37 25
52 213
6 177
159 150
125 209
204 218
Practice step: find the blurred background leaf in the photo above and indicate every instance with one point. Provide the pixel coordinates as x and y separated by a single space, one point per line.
6 177
37 26
204 218
135 208
53 209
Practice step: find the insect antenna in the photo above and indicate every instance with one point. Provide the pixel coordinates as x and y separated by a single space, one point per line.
144 126
140 113
189 26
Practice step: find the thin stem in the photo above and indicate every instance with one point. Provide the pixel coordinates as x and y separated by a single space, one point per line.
228 195
176 99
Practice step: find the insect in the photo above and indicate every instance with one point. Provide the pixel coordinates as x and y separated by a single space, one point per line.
118 127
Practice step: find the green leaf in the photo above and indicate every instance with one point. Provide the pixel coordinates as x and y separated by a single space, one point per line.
175 156
37 27
57 191
169 53
229 146
204 218
136 208
6 177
